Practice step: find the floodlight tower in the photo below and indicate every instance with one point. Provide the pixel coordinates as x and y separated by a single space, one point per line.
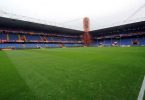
86 34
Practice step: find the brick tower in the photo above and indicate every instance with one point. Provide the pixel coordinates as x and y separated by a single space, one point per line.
86 34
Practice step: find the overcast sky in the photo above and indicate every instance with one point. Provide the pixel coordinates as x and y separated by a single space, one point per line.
102 13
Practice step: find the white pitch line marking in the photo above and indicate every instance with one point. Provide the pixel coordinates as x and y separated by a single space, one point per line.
142 90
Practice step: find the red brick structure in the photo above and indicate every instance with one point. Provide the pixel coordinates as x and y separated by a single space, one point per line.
86 35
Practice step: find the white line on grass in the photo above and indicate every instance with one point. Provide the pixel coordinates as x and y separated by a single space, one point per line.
142 90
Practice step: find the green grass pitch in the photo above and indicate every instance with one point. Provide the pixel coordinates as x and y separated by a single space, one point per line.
72 74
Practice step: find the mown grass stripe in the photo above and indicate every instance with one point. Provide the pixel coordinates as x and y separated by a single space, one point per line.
81 73
12 85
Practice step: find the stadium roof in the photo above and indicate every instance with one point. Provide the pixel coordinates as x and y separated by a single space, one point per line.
39 27
69 13
33 26
121 28
106 17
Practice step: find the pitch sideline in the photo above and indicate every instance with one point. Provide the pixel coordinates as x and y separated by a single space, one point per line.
142 90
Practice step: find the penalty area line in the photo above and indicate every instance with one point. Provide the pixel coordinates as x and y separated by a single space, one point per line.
142 90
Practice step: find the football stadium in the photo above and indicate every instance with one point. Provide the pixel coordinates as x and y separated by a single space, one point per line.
44 61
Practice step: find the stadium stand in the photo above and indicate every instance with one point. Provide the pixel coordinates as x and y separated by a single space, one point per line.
18 34
26 40
132 34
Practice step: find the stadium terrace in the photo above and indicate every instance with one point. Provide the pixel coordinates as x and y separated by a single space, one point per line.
18 34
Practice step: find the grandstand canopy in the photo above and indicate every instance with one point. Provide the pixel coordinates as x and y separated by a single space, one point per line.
128 28
8 23
70 13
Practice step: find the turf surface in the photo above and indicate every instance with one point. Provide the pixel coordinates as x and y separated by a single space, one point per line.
72 74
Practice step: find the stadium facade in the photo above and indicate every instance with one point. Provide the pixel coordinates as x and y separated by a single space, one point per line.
20 34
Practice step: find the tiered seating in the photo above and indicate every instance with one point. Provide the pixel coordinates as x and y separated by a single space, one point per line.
126 39
10 45
13 37
73 45
54 45
33 37
107 42
23 40
3 36
142 41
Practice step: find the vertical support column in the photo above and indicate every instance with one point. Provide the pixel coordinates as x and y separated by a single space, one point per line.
120 40
8 38
143 40
25 37
111 41
19 37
